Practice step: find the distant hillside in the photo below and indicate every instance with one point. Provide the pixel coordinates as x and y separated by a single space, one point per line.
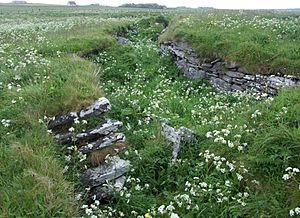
152 6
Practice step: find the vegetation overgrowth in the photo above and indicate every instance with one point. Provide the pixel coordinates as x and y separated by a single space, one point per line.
260 42
243 161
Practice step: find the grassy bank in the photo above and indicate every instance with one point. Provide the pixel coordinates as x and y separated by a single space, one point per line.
42 74
261 42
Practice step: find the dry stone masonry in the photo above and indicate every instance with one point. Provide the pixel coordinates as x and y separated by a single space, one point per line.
224 75
108 176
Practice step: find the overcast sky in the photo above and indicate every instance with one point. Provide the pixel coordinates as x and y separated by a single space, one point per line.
224 4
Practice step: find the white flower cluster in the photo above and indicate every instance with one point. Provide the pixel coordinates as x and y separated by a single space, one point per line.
295 211
223 165
5 123
291 172
227 137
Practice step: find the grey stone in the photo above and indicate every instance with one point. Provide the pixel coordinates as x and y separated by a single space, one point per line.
241 78
235 74
106 127
178 53
193 60
97 176
181 64
227 79
194 73
216 61
220 84
290 82
123 40
249 77
207 66
177 137
239 81
235 87
62 120
102 143
100 106
218 66
106 190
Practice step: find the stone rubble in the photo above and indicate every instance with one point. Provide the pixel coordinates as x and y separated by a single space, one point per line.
96 179
224 75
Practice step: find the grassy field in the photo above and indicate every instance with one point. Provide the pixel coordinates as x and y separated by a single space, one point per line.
243 162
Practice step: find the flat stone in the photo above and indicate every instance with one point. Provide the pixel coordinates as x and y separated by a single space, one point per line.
235 74
181 64
193 60
105 128
106 190
102 143
62 120
97 176
227 79
208 66
100 106
123 40
249 77
194 73
216 61
289 82
221 84
178 53
239 81
235 87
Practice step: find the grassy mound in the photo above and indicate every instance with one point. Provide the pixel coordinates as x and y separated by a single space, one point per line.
262 42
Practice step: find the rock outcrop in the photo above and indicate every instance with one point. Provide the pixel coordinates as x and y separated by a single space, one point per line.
224 75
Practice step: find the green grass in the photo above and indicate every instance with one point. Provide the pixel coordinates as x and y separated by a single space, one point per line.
32 183
139 78
80 61
262 42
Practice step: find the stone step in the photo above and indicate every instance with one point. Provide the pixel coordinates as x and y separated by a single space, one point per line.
100 106
102 143
105 128
106 172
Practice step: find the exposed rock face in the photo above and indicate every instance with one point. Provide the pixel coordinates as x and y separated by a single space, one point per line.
95 139
224 75
177 137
